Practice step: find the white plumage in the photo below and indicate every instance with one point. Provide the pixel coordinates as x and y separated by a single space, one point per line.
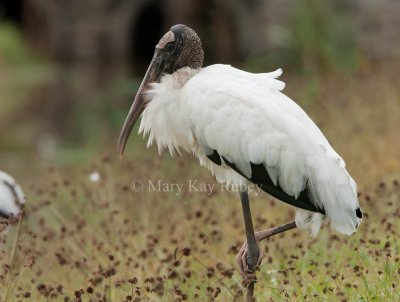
247 120
11 196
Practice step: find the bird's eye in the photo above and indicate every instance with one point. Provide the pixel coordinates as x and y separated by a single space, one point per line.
169 46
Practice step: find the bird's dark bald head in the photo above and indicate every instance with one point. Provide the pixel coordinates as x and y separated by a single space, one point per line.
181 47
192 53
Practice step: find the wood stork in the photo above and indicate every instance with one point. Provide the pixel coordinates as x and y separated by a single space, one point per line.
11 196
244 130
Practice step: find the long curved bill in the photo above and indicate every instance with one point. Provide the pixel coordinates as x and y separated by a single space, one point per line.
139 104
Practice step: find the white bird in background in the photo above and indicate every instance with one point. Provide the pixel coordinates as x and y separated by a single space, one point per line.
244 130
12 198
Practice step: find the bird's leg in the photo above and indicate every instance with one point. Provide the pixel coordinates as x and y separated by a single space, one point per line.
259 236
274 231
253 253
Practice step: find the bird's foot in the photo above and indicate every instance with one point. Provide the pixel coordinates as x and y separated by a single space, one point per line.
248 264
248 278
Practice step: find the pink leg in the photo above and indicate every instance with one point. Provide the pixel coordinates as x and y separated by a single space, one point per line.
241 258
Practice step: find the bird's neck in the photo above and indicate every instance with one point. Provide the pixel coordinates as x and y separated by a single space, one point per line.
165 117
184 74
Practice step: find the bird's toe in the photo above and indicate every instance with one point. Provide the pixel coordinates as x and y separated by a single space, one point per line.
243 262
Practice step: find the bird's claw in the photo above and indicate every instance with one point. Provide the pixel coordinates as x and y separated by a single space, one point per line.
249 278
241 258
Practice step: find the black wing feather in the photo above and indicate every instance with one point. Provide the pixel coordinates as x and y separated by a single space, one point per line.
260 177
215 158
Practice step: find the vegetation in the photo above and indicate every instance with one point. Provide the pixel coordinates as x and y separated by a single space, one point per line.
317 39
85 240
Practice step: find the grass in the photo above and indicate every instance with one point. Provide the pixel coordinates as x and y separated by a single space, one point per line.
91 241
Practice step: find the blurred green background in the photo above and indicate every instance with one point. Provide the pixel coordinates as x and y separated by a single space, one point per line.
69 70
